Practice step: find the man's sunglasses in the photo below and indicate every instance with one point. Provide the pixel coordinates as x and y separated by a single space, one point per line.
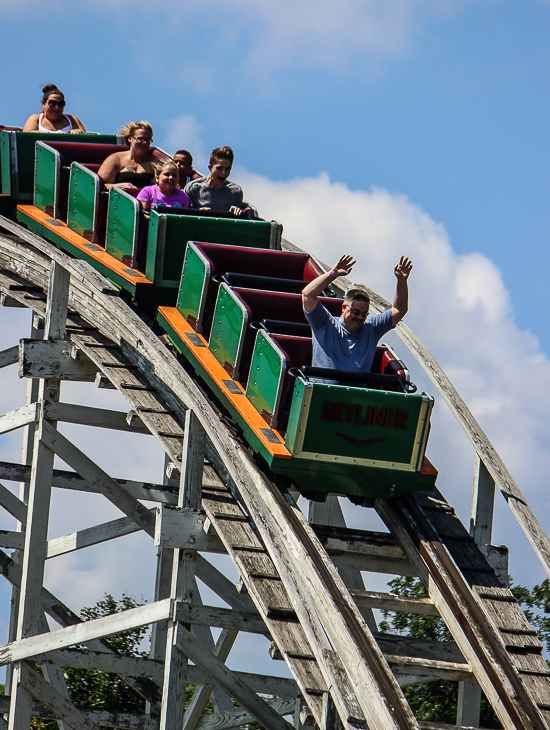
357 312
53 103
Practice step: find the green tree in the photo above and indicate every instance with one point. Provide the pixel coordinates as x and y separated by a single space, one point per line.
434 701
104 690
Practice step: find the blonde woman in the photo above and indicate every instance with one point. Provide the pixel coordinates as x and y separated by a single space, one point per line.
133 169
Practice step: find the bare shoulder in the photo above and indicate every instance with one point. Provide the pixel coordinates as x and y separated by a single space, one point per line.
31 125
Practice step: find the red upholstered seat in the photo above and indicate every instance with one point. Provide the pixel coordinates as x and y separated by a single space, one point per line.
246 260
88 154
273 305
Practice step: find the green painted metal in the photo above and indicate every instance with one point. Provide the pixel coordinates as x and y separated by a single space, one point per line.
83 201
178 341
365 482
194 281
122 226
228 328
266 377
169 234
360 425
5 167
19 146
165 250
46 174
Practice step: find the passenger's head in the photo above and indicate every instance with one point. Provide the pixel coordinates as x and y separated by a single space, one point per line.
142 132
166 176
184 161
221 162
355 309
53 100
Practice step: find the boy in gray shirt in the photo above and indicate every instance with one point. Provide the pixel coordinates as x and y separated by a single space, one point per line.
214 191
349 342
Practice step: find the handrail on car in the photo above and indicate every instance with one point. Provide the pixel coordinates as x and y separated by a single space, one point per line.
346 377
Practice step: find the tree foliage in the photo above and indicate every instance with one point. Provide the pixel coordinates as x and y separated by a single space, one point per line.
434 701
104 690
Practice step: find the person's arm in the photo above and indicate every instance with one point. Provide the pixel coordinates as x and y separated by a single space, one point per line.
400 306
78 127
109 170
310 293
31 125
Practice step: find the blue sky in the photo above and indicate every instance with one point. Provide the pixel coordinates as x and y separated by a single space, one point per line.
444 100
374 126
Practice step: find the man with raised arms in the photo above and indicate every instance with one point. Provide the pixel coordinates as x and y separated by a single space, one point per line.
349 342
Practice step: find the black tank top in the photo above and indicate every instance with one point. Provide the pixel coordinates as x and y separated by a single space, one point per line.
137 179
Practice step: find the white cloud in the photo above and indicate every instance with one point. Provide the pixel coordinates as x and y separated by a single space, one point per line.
459 307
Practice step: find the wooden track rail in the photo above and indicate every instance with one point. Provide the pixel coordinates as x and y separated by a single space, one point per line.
291 590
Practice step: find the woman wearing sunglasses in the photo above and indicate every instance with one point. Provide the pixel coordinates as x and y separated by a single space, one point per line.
133 169
52 118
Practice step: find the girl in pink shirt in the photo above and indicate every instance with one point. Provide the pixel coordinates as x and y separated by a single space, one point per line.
165 192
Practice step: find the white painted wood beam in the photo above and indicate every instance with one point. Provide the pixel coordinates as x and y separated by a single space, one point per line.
9 356
98 628
98 417
224 677
18 418
82 464
53 359
60 706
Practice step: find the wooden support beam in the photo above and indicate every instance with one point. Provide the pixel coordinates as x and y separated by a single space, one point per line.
19 417
427 669
71 455
63 615
224 677
90 536
98 417
391 602
69 480
34 556
144 667
330 513
205 690
483 501
222 586
60 706
225 618
58 302
49 359
9 356
183 575
184 528
12 540
81 633
135 721
15 506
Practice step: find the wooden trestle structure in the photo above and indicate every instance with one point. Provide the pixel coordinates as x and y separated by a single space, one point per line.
300 579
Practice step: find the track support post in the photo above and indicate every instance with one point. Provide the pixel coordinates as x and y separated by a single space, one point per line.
31 616
183 576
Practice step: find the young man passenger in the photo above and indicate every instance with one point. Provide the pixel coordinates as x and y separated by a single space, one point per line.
214 191
349 342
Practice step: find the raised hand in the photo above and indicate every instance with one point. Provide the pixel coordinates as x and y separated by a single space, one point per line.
403 268
343 266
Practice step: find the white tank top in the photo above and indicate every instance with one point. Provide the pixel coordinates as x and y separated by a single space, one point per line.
65 129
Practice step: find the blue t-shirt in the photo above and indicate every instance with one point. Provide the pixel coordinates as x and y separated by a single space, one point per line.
334 346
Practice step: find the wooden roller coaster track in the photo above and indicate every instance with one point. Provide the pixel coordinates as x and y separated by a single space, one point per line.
300 582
